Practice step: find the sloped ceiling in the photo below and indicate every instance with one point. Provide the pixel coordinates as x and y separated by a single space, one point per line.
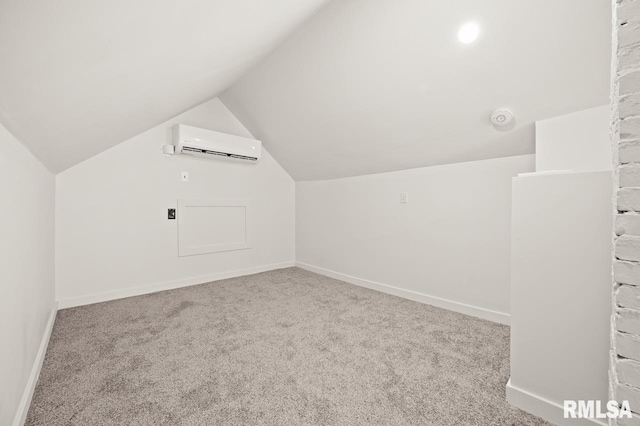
80 76
378 85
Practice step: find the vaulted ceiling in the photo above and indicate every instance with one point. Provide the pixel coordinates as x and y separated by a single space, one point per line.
80 76
377 85
362 86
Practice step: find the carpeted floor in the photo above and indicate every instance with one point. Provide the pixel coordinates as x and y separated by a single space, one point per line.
286 347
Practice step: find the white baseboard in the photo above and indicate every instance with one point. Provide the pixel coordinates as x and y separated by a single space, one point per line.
451 305
544 408
25 401
167 285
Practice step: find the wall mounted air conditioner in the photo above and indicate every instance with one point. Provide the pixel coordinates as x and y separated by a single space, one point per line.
209 144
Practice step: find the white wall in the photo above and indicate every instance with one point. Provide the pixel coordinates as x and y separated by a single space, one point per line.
451 241
26 267
561 273
113 235
578 141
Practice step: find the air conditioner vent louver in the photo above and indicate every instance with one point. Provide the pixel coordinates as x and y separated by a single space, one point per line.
222 154
215 145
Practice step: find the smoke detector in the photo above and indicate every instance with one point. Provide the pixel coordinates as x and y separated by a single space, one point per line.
501 117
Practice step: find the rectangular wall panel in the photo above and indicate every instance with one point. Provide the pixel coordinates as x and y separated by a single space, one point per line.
210 226
560 274
578 141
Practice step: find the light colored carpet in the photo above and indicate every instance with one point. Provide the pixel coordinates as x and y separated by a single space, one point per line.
286 347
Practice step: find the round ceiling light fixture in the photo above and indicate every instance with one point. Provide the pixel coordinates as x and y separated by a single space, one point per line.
501 117
468 33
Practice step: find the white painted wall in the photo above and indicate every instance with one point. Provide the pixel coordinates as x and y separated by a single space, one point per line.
26 267
113 235
561 273
451 241
578 141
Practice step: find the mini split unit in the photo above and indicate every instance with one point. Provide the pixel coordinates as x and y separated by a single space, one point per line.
205 143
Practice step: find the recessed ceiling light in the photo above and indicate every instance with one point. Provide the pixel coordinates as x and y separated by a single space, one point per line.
468 33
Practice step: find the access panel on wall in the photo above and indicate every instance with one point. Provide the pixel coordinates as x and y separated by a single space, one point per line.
210 226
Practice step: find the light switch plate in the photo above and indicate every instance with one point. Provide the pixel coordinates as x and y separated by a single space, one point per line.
404 197
185 176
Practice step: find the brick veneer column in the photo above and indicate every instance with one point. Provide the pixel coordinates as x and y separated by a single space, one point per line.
625 103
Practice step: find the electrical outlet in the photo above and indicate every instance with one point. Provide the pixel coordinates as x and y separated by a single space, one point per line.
404 197
185 176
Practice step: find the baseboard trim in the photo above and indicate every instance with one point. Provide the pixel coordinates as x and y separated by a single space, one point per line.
451 305
27 395
544 408
167 285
